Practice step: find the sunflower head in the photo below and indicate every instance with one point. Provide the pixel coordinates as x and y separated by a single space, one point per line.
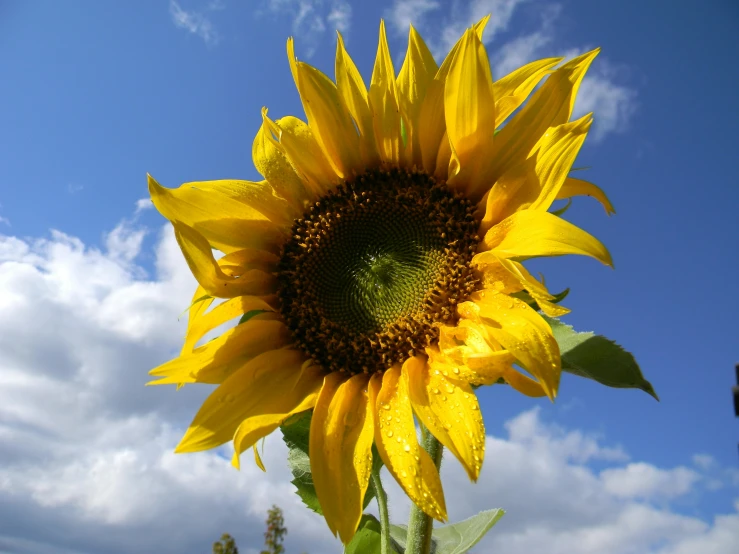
376 272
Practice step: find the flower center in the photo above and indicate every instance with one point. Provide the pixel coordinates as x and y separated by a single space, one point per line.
372 267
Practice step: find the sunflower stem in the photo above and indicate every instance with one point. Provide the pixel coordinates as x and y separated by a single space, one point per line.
420 525
381 496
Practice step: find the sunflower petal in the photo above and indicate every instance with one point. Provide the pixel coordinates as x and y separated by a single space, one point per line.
353 91
536 289
549 106
448 408
327 116
521 331
469 110
245 393
530 233
395 437
511 91
200 323
431 125
341 451
416 73
535 183
227 224
271 161
217 359
523 384
210 275
578 187
304 152
302 396
383 98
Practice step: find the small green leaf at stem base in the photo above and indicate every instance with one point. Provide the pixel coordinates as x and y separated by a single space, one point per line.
598 358
456 538
367 540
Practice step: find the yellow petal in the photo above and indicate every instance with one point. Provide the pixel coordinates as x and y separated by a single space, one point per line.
555 155
549 106
469 110
327 116
201 301
511 91
383 98
448 408
395 437
298 398
578 187
417 72
353 91
210 275
521 331
271 161
431 125
341 433
258 459
305 154
200 324
535 183
525 281
227 224
523 384
217 359
471 355
246 393
530 233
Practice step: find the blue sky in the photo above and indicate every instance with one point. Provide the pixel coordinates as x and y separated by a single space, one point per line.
97 94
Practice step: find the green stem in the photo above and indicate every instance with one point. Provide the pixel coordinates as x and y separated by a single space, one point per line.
381 496
420 525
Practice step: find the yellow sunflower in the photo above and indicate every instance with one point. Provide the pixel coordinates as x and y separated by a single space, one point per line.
377 268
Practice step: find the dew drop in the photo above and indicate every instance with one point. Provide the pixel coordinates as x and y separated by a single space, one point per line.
389 433
407 448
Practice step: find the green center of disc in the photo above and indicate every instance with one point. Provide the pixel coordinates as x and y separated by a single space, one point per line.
372 265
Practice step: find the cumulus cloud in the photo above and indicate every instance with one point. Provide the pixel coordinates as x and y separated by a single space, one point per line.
86 461
195 22
311 19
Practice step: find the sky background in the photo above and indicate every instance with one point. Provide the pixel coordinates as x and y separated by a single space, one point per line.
96 94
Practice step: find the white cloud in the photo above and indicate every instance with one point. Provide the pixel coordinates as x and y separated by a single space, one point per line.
704 461
640 480
195 22
86 462
405 13
311 19
613 105
143 204
5 221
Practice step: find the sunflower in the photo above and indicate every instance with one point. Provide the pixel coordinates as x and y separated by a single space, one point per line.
376 270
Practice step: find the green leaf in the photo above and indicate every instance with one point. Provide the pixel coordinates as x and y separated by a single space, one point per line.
598 358
368 538
458 538
563 209
526 297
248 315
296 433
399 535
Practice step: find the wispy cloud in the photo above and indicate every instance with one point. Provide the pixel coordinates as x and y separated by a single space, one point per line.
312 18
195 22
74 188
143 204
4 221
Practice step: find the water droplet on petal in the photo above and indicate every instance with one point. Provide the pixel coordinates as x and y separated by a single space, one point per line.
389 433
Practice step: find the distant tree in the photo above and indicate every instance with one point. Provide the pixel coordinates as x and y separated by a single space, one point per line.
275 533
226 545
